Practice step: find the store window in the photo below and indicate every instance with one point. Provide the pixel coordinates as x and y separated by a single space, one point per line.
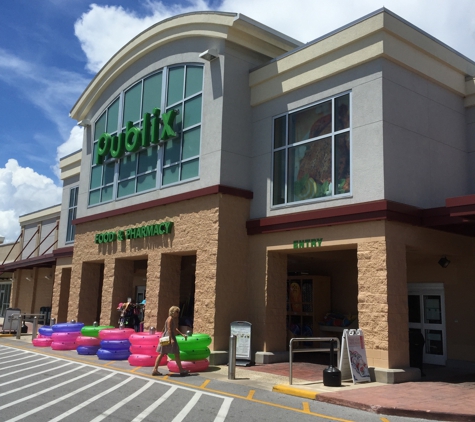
73 205
175 159
311 148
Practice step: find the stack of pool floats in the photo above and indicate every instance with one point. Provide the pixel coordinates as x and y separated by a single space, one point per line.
109 343
88 343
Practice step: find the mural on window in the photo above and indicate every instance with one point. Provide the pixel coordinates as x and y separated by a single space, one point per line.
125 165
312 152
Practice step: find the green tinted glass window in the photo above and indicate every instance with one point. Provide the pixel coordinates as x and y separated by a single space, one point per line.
100 126
191 143
147 160
107 193
125 188
132 97
109 169
128 165
190 169
172 151
112 117
152 93
175 85
96 177
170 175
194 80
94 197
192 112
146 182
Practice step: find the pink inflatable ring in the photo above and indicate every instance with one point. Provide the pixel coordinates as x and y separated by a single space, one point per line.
87 341
64 345
145 339
146 360
146 349
42 341
64 336
116 333
196 366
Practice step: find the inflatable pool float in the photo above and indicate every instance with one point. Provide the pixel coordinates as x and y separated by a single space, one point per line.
196 366
116 333
146 349
67 327
145 338
93 331
87 350
87 341
120 354
45 330
115 344
193 342
64 336
42 341
146 360
64 345
192 355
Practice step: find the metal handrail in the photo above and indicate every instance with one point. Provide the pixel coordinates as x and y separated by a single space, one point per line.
319 339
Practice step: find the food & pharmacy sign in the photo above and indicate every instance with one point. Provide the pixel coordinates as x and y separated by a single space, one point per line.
134 233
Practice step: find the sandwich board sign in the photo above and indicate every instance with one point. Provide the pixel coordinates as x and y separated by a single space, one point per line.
242 331
353 362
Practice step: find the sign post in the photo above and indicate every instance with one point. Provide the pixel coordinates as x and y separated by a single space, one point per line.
242 331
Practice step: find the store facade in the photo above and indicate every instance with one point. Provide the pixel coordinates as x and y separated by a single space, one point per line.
244 176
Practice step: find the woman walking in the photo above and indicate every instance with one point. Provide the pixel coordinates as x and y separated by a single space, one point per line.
171 329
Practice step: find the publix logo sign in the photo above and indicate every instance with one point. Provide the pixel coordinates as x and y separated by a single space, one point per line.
134 138
135 232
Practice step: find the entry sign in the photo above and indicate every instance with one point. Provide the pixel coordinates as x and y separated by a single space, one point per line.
353 362
242 331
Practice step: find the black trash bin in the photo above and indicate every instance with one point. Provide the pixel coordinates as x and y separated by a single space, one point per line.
416 348
332 375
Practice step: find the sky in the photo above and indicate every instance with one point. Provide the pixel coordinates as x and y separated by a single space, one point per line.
51 49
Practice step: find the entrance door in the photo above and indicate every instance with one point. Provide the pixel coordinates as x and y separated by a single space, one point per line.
427 314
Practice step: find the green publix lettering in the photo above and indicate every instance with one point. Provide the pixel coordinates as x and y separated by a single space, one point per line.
308 243
134 138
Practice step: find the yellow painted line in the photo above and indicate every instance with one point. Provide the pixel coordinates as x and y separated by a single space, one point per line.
171 380
136 369
205 384
109 363
250 395
385 420
306 407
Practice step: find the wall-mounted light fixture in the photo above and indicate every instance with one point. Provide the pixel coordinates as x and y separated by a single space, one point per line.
48 277
444 262
209 55
28 278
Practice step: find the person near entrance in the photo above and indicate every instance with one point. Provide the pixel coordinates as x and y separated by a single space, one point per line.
171 329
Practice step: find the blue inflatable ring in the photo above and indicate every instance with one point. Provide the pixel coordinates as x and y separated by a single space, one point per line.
115 344
67 327
45 330
87 350
122 354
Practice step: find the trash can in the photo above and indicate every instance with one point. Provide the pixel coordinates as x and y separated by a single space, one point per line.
416 348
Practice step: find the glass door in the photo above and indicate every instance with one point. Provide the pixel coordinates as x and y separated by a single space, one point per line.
427 316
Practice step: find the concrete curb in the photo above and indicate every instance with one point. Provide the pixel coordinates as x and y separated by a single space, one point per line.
295 391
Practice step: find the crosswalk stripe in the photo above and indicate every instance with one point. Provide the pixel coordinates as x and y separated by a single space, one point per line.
25 368
13 403
122 403
187 408
14 360
153 406
224 410
91 400
59 399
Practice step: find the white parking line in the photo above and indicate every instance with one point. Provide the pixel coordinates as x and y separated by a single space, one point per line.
41 381
224 410
187 408
14 360
96 397
153 406
111 410
25 369
53 402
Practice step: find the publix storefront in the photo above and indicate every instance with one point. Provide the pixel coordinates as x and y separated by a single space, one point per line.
244 176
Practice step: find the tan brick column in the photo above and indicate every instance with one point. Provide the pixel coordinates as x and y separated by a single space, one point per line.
382 303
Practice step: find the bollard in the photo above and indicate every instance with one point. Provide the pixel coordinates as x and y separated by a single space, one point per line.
52 321
73 321
151 330
95 324
232 358
35 328
18 331
331 375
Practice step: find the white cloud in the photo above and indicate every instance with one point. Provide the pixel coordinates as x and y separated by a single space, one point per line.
22 191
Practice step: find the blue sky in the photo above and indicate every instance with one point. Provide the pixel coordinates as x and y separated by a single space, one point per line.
51 49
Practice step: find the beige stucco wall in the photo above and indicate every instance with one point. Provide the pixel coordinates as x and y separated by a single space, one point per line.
211 227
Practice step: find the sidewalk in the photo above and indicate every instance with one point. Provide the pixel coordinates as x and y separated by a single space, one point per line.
444 394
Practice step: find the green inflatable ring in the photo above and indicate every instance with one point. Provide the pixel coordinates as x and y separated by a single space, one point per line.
92 331
192 355
194 342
